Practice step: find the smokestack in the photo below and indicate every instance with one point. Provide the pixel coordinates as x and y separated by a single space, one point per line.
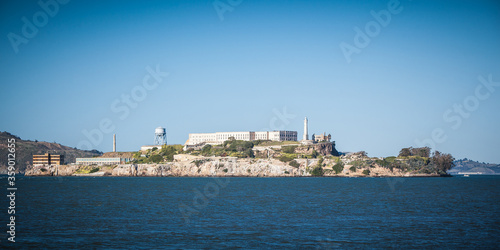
306 135
114 142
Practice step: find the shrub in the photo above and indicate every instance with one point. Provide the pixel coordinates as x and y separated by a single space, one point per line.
225 170
94 170
206 150
352 169
289 149
137 155
294 164
286 158
366 172
43 169
238 146
168 151
390 159
197 162
286 172
382 163
315 154
338 167
317 171
156 158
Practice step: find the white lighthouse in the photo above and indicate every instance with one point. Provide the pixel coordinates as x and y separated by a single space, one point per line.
306 136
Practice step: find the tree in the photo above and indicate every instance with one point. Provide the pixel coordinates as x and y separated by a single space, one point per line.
352 169
362 153
422 152
338 167
317 171
405 152
366 172
320 162
442 162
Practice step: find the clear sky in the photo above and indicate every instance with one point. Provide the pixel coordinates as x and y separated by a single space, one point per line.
377 75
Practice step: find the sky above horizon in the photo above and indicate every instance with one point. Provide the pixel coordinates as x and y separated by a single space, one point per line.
378 75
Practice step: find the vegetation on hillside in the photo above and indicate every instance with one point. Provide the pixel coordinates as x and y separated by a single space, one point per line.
164 154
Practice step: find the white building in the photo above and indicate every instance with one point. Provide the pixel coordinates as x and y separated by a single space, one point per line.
220 137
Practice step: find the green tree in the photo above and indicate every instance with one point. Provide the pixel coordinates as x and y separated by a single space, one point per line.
352 169
422 152
320 161
338 167
366 172
317 171
405 152
442 162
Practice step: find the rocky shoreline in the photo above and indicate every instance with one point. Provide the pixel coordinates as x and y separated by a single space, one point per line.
219 167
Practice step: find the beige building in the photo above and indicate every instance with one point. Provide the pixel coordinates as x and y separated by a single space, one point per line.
221 137
322 137
48 159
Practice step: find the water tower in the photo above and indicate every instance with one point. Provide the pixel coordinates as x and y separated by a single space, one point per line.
160 136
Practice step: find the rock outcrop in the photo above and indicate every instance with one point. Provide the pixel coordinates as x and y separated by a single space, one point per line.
325 148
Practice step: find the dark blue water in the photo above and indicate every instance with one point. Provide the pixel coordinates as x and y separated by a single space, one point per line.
323 213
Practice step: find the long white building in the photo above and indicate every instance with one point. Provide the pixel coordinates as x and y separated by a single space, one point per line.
101 161
220 137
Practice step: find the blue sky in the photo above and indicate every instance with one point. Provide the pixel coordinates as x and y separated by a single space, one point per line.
242 72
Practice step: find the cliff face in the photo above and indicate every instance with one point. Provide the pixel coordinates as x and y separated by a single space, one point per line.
213 167
326 148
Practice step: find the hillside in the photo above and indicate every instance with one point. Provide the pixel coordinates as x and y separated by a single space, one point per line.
25 150
470 166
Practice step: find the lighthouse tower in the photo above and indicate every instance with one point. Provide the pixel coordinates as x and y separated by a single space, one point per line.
306 135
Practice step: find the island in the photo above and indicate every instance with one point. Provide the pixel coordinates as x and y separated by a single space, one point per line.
258 158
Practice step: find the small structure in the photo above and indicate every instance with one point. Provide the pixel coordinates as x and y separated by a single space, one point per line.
48 159
322 138
114 142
